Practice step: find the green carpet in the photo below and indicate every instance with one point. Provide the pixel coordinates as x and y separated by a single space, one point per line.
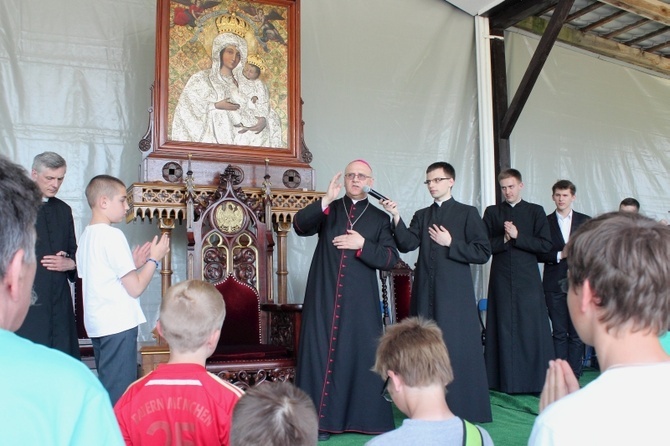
513 418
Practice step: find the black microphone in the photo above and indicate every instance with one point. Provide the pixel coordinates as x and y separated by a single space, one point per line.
368 190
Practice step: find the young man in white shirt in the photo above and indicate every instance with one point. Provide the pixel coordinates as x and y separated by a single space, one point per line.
619 300
563 222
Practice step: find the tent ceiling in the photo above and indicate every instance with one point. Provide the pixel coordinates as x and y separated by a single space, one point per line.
633 31
475 7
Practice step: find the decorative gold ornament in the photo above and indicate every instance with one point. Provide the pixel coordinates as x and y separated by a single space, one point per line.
233 24
255 59
229 217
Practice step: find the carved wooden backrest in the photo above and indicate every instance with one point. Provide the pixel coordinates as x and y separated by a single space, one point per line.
229 238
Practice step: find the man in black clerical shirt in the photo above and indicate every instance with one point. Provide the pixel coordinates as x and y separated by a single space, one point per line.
50 321
450 236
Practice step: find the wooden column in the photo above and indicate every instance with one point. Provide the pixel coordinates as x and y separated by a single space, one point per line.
505 116
166 225
499 92
282 229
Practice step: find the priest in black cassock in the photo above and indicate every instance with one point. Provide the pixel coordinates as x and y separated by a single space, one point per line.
341 317
518 338
451 236
50 321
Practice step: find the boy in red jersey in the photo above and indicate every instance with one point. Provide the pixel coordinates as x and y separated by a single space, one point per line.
180 402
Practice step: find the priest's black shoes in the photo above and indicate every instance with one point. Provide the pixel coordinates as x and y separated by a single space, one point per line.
324 436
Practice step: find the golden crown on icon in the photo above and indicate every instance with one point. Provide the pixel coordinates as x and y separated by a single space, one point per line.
254 59
232 24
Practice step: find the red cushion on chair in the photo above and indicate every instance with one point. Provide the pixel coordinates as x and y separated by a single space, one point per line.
242 325
402 290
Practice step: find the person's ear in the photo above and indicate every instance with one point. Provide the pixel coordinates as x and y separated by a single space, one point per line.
395 380
213 339
13 275
159 329
587 298
103 201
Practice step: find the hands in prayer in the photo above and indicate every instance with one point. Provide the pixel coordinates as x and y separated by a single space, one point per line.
560 381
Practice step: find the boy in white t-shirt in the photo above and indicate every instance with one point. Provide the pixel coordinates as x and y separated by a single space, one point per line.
113 278
618 289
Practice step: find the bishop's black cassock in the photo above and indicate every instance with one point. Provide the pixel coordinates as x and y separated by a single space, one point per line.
341 318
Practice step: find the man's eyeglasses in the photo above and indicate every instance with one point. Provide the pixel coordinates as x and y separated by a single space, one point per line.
358 176
436 180
385 391
564 284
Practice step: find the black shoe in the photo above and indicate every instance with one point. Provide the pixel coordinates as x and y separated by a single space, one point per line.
324 436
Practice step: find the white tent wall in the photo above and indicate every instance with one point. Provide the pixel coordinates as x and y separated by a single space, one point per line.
603 125
391 81
75 78
394 83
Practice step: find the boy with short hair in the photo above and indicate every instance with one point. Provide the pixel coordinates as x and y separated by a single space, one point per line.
414 359
46 396
279 414
618 297
113 278
188 404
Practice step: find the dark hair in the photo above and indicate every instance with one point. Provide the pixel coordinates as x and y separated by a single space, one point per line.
562 185
626 259
510 173
279 414
448 168
21 199
630 201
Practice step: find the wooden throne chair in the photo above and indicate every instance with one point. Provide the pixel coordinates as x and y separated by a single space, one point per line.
230 246
396 292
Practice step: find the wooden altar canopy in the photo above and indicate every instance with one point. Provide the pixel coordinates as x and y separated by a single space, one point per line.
166 203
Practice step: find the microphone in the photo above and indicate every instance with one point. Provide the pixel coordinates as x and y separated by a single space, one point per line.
368 190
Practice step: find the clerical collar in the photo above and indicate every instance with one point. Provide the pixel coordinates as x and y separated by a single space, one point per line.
439 202
45 199
355 201
513 204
